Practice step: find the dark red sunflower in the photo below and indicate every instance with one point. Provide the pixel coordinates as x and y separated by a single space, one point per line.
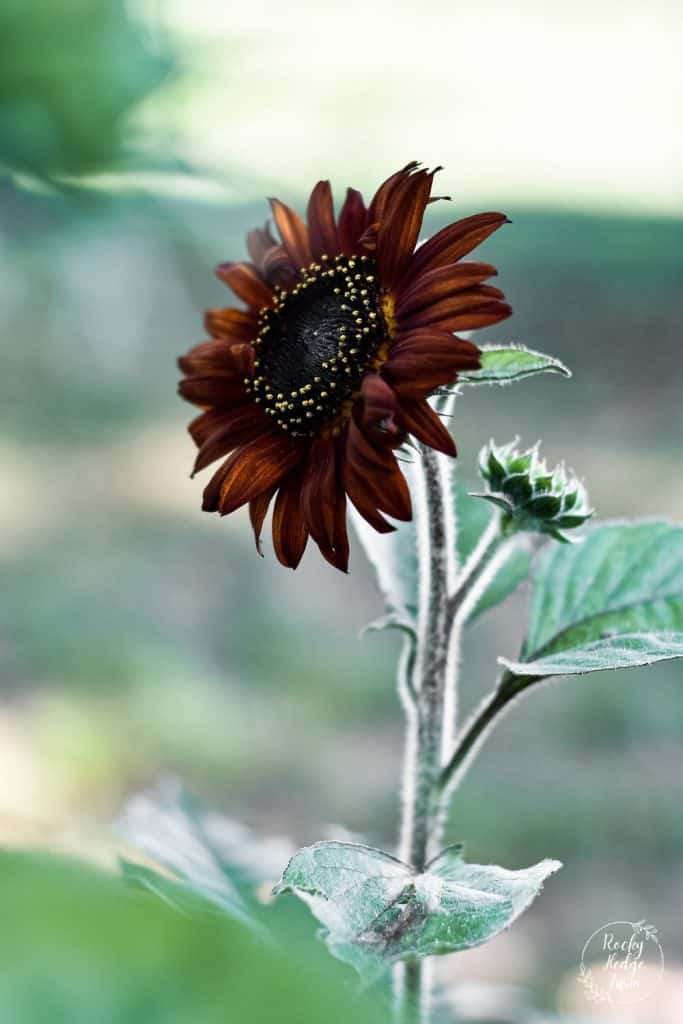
346 332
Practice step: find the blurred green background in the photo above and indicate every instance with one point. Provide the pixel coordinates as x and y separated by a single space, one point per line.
139 636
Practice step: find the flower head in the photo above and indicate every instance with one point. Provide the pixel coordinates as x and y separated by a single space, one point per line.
345 331
531 497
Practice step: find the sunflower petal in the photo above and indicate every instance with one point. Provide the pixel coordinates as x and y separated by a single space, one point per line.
364 502
259 242
250 471
422 422
400 225
246 283
318 493
212 390
203 426
379 405
423 381
270 257
258 508
364 456
220 358
322 227
352 222
234 427
293 232
290 532
440 284
231 324
339 557
278 268
435 347
453 242
422 361
378 468
385 191
456 312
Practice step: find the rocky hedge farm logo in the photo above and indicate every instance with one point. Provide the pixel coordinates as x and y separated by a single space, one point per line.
622 962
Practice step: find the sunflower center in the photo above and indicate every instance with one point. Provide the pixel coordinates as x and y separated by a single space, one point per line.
316 342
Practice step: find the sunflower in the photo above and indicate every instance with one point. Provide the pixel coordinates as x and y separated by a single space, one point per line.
346 330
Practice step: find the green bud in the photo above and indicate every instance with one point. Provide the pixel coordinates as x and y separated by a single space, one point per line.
529 495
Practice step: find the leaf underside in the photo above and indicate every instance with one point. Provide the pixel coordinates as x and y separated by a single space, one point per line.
503 364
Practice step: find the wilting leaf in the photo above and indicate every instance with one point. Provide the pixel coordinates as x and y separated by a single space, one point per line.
376 911
503 364
613 601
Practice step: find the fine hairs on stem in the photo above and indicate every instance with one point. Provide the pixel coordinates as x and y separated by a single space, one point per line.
425 725
429 721
427 685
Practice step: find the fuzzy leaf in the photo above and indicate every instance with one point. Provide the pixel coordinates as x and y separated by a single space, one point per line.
503 364
393 556
613 601
631 650
196 856
376 911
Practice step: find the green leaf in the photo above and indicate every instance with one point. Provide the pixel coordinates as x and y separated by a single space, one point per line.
169 890
394 558
631 650
72 73
78 947
613 601
503 364
200 857
375 910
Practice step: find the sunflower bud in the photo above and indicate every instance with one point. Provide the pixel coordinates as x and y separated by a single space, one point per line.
531 497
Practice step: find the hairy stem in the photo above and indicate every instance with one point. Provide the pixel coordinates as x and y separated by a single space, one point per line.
422 817
427 679
431 660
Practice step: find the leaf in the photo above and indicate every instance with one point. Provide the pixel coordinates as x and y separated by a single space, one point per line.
376 911
394 558
197 855
73 72
503 364
631 650
169 890
613 601
78 946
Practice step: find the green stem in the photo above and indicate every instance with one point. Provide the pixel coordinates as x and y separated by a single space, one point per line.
508 689
421 805
427 686
432 655
474 568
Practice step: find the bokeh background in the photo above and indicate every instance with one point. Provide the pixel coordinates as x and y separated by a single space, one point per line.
140 637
